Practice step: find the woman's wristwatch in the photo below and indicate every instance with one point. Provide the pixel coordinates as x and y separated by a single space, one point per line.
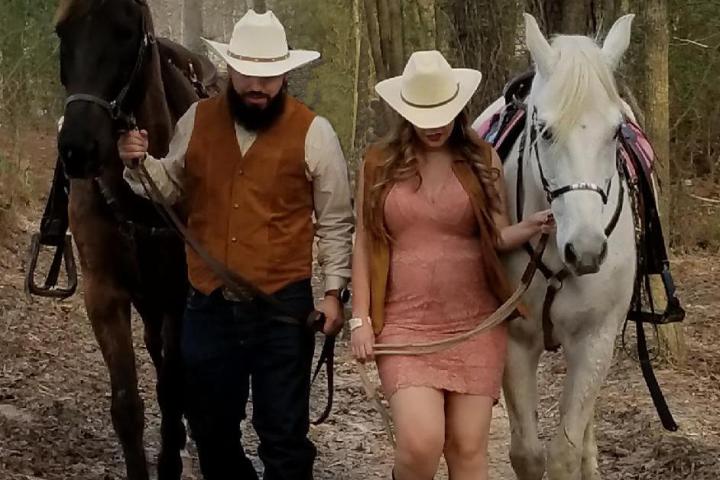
357 322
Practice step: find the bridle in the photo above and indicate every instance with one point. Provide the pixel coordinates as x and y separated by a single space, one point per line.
552 193
555 279
117 108
123 119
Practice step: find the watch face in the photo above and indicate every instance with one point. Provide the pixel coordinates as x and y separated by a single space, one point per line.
344 295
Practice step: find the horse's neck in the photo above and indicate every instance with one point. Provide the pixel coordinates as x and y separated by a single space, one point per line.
153 113
534 198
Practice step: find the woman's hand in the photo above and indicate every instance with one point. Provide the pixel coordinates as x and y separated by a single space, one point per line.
542 222
362 341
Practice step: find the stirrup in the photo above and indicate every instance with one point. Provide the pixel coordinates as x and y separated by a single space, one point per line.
63 252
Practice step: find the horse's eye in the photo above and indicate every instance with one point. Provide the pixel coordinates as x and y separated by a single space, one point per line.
547 134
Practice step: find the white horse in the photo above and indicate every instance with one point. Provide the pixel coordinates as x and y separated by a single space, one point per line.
569 165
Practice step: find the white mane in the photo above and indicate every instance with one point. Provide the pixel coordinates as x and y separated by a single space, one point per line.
581 81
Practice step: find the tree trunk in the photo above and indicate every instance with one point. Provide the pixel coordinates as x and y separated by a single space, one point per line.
482 35
444 28
385 34
426 15
574 17
371 19
359 43
548 13
385 28
657 108
193 25
259 6
397 53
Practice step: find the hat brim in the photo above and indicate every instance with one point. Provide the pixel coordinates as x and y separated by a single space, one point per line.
431 117
297 59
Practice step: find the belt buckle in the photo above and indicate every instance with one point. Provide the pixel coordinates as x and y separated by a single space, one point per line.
231 296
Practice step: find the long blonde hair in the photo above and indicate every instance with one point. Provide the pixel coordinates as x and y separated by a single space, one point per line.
401 162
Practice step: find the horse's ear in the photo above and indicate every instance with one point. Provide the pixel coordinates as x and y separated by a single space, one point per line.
544 56
618 40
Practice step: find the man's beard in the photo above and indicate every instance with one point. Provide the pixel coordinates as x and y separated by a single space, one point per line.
254 118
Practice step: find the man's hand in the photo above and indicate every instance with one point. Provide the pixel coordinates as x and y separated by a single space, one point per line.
334 315
133 147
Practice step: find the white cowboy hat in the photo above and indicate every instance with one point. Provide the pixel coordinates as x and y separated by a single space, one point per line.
258 47
430 93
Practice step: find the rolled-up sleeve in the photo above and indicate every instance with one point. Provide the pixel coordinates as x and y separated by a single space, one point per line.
328 171
168 172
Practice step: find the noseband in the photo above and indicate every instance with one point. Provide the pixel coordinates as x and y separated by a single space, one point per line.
116 108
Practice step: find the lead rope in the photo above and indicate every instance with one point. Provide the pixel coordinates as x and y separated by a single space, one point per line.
503 313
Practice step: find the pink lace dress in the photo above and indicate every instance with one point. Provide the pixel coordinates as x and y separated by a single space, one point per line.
436 289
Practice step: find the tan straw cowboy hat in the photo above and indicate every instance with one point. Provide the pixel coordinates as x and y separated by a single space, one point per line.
258 47
430 93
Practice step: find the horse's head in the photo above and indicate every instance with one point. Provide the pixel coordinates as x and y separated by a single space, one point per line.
102 46
576 113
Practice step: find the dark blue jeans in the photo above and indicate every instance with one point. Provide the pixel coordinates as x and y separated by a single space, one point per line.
228 347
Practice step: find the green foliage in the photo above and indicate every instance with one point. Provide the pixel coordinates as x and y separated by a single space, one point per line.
483 33
28 61
694 89
325 26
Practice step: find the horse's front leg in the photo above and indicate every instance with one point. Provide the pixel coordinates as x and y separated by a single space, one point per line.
590 467
162 341
108 308
520 388
170 392
588 353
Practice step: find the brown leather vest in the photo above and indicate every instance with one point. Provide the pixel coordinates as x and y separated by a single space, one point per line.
253 213
380 248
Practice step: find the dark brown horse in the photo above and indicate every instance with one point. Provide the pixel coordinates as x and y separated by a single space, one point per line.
117 76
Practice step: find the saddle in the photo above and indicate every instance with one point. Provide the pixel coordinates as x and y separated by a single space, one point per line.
198 69
637 157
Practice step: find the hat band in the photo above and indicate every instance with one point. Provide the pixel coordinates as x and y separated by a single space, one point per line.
434 105
258 59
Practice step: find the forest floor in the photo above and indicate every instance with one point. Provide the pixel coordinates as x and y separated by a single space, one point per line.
54 402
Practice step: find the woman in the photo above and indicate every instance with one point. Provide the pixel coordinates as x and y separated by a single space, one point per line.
431 219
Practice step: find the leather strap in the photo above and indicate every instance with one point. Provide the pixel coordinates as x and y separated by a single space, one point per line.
554 286
651 381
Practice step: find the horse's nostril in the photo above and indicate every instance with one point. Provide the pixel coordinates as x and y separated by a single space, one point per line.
570 254
79 158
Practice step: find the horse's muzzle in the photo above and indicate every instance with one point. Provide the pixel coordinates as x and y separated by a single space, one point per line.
585 263
80 156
